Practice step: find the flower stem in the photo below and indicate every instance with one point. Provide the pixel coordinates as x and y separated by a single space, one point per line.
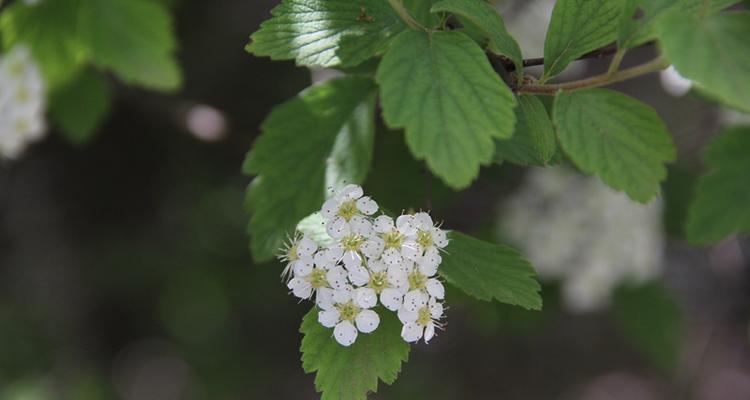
402 12
598 80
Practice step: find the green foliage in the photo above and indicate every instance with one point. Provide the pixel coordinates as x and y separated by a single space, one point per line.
352 372
299 138
713 52
578 27
440 87
133 38
326 33
87 91
486 18
490 271
650 319
722 201
534 142
617 137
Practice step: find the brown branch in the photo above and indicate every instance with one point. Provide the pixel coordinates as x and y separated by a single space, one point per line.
598 53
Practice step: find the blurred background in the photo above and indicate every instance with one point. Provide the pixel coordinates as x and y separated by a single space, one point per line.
125 274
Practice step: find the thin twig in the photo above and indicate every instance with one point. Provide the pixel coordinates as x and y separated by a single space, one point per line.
598 80
403 13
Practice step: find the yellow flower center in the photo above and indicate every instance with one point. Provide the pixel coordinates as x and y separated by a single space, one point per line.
348 311
291 254
352 242
348 210
393 239
317 278
423 316
378 281
424 238
417 280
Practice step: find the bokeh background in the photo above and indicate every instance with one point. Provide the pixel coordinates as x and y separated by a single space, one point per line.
125 274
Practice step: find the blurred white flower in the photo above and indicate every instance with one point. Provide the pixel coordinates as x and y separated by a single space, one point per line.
22 102
577 230
674 83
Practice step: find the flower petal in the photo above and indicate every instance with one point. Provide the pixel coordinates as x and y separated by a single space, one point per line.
391 256
435 288
336 277
414 300
306 247
351 192
324 298
373 247
411 250
411 332
391 299
330 208
367 206
351 259
429 262
367 321
359 276
406 225
342 295
338 227
436 309
303 290
345 333
303 266
429 332
377 265
439 237
383 224
329 318
397 278
423 221
406 316
365 297
360 225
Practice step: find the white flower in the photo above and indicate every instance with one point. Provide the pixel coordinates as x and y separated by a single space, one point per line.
428 235
421 277
309 279
674 83
348 313
395 237
345 205
297 254
421 320
355 241
388 282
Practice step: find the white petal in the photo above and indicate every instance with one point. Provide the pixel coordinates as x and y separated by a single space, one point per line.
391 256
294 282
405 224
324 298
367 321
406 316
391 299
435 288
397 277
342 295
329 318
429 332
415 300
351 192
383 224
365 297
439 237
376 265
303 290
345 333
330 208
351 259
411 332
367 206
423 221
436 309
306 247
429 262
303 266
360 225
411 250
336 277
334 254
359 276
323 260
373 247
337 227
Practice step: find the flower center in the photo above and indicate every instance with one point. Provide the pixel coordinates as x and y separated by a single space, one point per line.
291 254
352 242
423 316
378 281
348 210
417 280
393 239
348 311
22 125
317 278
23 95
424 238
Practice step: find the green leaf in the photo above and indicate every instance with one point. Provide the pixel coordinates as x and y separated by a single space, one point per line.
421 11
134 39
722 201
713 52
650 319
484 16
578 27
615 136
87 91
323 32
490 271
302 151
352 372
534 142
634 32
50 30
440 87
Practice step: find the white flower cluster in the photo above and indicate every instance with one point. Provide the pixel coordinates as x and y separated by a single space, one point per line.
579 231
22 102
372 259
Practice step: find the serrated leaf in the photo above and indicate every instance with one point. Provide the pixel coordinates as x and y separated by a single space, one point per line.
490 271
722 200
87 91
485 17
534 142
312 32
649 318
634 32
711 51
616 137
578 27
420 10
351 372
50 30
296 160
133 38
440 87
